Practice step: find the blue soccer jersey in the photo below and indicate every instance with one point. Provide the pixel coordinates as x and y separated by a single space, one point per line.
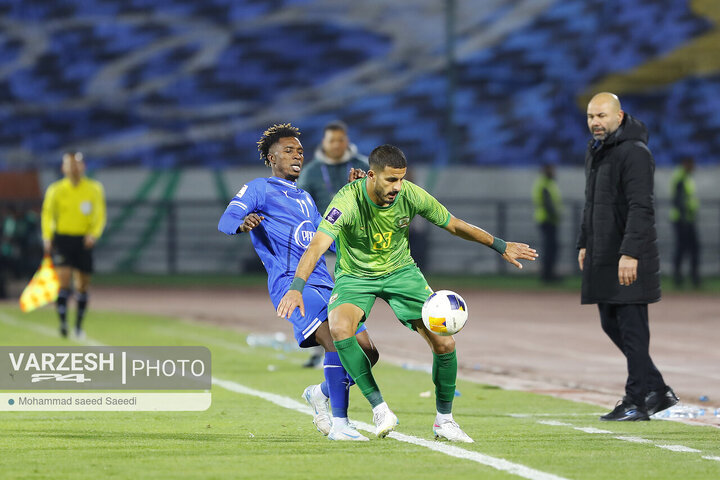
291 220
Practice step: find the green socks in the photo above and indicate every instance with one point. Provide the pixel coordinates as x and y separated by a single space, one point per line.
358 366
444 374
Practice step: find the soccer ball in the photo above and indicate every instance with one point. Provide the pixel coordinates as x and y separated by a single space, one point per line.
444 313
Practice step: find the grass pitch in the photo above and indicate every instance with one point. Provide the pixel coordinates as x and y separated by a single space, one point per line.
517 434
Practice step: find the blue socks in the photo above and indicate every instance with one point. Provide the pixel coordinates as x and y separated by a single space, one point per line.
336 385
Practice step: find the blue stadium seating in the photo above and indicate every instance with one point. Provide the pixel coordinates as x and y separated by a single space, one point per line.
515 102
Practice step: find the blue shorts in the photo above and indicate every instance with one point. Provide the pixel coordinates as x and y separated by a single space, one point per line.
315 299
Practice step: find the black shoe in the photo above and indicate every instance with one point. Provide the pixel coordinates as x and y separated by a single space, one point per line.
659 400
63 329
625 411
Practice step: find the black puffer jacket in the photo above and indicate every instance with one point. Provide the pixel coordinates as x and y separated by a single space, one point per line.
619 217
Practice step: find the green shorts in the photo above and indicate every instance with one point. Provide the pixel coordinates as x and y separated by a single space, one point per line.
405 291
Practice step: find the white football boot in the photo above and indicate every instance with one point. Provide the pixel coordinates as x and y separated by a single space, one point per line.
346 432
451 431
321 407
385 420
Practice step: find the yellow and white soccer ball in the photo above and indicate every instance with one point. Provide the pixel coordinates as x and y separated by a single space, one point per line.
444 313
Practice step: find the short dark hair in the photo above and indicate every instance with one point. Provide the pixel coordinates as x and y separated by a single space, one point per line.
272 135
387 156
337 125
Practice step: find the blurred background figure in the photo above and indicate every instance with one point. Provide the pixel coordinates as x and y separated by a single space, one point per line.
548 208
29 241
9 250
326 174
73 218
20 248
328 171
683 215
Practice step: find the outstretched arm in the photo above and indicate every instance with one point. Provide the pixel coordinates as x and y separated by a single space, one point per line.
293 298
510 251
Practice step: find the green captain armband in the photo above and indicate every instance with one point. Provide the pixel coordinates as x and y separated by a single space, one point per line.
499 245
297 284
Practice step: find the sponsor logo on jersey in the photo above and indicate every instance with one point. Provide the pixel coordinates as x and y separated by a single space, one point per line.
402 222
304 233
333 298
333 215
241 192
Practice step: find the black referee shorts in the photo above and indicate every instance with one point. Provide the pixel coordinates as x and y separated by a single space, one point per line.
69 251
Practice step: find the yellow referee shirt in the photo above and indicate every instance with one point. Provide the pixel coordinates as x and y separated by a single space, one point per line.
73 209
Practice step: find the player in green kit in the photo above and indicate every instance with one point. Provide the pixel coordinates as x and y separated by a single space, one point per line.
368 219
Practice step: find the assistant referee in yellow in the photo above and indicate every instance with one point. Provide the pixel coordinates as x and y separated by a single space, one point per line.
73 218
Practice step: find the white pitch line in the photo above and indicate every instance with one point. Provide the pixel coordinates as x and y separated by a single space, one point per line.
554 423
563 415
678 448
717 459
598 414
43 330
451 450
633 439
593 430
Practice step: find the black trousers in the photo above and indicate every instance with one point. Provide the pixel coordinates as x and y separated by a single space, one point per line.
627 326
549 252
686 243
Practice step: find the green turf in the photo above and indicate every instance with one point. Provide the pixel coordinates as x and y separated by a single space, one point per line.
243 436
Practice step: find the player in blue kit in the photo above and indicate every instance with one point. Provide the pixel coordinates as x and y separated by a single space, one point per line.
282 219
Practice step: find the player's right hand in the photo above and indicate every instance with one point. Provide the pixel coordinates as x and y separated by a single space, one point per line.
250 222
89 241
356 173
292 300
522 251
581 258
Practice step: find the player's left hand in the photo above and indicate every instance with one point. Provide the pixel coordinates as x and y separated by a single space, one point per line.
627 270
519 251
290 301
356 173
89 241
251 221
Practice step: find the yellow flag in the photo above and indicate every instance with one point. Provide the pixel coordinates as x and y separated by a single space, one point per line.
42 289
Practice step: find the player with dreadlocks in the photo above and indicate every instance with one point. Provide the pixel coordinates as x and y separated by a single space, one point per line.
282 219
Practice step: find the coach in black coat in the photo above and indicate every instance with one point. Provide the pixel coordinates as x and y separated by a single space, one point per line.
619 217
618 252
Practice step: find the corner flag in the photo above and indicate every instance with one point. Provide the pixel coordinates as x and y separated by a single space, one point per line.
42 289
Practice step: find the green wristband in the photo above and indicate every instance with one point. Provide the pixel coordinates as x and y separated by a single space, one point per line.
297 284
499 245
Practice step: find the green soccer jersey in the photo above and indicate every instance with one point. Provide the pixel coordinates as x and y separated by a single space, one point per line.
372 241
